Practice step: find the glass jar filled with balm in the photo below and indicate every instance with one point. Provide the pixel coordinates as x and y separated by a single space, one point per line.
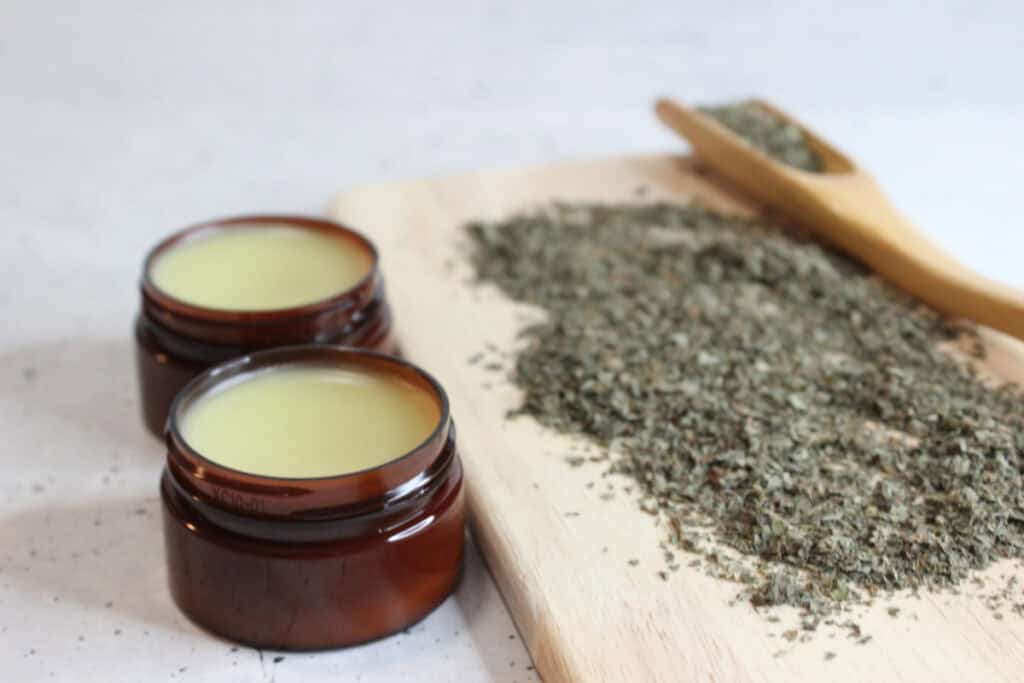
312 497
219 290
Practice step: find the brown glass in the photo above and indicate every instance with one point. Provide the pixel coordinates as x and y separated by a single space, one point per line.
312 563
175 340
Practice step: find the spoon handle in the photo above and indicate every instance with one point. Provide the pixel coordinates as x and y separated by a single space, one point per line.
922 269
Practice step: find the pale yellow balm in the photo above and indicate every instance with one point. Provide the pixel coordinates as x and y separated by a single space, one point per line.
259 267
305 421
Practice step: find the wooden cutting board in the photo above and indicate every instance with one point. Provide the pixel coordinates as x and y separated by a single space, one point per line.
558 552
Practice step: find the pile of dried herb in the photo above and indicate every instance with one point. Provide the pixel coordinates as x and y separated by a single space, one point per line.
767 396
774 136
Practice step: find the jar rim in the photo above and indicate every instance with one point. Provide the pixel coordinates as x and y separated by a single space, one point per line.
322 225
254 494
302 354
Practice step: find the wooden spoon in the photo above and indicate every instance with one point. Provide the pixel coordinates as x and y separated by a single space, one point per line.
844 205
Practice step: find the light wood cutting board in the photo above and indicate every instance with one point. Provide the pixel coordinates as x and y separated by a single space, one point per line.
558 552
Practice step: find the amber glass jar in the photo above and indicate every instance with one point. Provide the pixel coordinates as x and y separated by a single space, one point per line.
175 340
312 563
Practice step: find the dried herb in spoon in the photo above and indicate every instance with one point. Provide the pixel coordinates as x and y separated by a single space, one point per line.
776 137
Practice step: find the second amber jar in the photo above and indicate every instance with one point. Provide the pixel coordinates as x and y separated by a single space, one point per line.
282 553
176 340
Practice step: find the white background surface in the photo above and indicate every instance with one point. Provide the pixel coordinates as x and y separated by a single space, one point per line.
120 122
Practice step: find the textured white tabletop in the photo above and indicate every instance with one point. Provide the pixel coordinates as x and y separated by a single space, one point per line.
120 122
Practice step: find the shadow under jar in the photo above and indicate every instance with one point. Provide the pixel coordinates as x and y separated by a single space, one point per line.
311 562
221 289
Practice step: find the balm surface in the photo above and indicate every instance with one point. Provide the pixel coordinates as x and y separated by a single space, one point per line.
306 421
259 267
